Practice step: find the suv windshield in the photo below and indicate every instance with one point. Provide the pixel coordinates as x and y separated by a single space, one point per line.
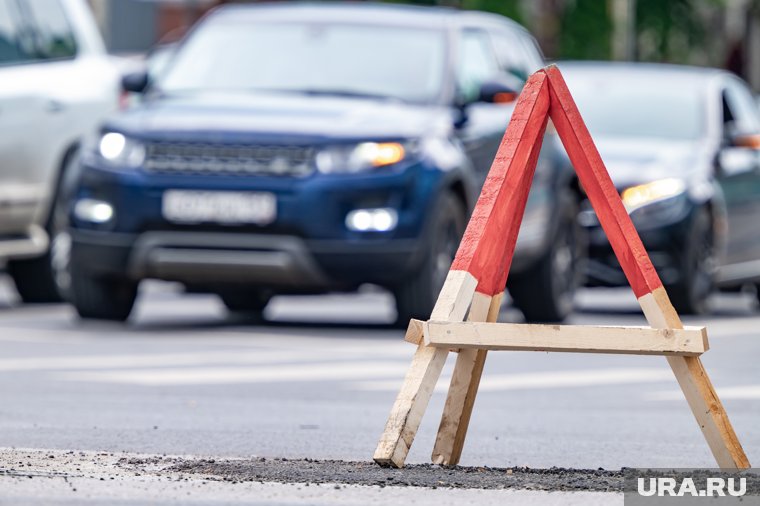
315 58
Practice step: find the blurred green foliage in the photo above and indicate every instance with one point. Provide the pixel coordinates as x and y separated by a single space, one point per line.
585 31
671 30
666 30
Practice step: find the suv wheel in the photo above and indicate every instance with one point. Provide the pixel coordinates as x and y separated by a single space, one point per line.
691 293
101 298
416 297
545 292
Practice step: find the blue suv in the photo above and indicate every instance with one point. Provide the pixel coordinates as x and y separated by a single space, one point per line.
309 148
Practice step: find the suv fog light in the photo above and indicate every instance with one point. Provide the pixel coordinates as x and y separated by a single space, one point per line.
372 220
94 211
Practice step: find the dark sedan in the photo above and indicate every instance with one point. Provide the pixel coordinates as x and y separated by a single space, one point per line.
681 145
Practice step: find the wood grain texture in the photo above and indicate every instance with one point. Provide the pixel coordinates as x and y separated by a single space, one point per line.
691 341
601 192
455 296
423 374
410 406
697 388
488 244
414 332
463 388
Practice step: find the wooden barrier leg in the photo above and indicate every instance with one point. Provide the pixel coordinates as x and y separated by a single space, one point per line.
410 405
464 388
709 412
423 374
697 388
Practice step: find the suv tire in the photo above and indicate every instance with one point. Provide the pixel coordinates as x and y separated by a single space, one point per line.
34 279
101 298
416 297
545 292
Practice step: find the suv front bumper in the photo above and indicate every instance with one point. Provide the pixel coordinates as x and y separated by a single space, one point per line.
281 263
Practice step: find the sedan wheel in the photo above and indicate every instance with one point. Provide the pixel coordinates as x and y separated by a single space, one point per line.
690 295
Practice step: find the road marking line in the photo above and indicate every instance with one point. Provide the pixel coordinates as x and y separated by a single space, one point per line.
245 356
743 392
149 360
226 375
540 380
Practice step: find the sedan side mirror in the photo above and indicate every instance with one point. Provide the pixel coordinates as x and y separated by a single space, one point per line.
751 141
737 160
498 91
135 82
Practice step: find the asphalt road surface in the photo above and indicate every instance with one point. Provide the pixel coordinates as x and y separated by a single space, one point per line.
318 381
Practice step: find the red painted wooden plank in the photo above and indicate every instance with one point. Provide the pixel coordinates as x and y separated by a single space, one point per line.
488 244
596 181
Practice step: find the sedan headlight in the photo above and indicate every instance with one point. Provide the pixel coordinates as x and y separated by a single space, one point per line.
360 157
643 194
117 149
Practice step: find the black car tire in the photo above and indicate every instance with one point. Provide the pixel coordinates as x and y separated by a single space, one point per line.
416 297
101 298
690 295
248 303
546 291
36 279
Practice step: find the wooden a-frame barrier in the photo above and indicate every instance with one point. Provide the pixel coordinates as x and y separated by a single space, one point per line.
478 276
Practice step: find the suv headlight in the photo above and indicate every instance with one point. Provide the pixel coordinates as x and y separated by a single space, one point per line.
360 157
118 149
644 194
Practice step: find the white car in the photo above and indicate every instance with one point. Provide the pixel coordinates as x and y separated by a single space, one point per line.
56 85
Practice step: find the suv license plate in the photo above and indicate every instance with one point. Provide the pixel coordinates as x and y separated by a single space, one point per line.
187 206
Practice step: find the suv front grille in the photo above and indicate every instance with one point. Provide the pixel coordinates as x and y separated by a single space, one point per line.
228 159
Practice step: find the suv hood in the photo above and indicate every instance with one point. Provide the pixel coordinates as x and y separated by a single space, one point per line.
288 115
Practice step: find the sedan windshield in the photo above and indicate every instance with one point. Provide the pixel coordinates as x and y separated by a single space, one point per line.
632 106
313 58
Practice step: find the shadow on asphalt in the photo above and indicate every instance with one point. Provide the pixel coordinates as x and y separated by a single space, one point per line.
334 330
343 329
264 325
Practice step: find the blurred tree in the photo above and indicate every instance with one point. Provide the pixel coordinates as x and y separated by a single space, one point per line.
586 31
666 30
672 30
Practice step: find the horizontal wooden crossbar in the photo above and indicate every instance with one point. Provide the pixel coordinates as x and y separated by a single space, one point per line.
689 341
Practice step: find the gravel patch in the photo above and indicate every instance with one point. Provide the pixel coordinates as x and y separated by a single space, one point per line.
430 476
